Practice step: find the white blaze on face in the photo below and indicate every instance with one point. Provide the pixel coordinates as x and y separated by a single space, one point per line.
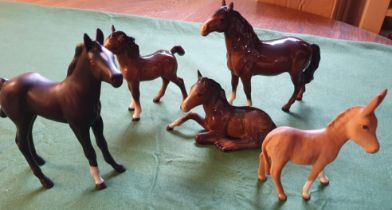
94 171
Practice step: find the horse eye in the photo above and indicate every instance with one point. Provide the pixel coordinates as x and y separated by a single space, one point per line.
365 127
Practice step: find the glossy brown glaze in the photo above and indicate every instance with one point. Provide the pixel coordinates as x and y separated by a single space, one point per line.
230 128
248 56
137 68
75 101
318 147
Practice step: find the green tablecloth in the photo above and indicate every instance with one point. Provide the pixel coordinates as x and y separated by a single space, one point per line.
167 170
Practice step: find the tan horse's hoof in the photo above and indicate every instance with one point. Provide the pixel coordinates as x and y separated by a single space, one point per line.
168 128
100 186
131 109
155 100
262 178
136 119
306 197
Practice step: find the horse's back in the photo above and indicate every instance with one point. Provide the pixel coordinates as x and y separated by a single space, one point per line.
28 93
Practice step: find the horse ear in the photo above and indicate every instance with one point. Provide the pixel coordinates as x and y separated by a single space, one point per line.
87 42
113 29
223 3
231 6
99 36
199 76
373 104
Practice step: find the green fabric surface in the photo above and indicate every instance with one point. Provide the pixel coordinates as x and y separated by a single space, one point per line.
166 170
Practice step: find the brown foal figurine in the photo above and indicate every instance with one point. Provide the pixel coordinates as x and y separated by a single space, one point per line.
228 127
318 147
138 68
75 100
247 55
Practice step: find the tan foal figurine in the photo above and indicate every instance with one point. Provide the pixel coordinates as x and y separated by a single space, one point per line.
318 147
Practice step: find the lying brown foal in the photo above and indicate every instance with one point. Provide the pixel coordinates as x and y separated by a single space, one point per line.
138 68
228 127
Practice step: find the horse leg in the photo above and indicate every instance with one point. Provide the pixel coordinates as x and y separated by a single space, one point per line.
276 170
38 159
246 82
132 104
180 83
208 137
297 88
162 91
136 96
316 169
234 84
234 145
21 140
83 135
101 142
190 116
301 93
261 170
323 178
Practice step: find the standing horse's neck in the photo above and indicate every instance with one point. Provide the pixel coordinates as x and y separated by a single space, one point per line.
239 35
82 76
337 128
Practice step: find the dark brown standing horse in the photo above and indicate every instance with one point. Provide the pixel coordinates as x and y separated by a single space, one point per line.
136 68
75 101
230 128
248 56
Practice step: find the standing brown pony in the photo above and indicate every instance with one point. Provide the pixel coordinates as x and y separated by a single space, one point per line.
138 68
230 128
318 147
248 56
75 101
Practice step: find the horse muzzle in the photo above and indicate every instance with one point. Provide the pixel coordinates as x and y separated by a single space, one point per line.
204 29
116 80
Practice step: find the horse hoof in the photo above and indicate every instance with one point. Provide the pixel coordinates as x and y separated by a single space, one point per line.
282 197
298 99
262 178
306 197
324 183
46 183
168 128
156 100
131 109
286 109
39 160
100 186
136 119
120 168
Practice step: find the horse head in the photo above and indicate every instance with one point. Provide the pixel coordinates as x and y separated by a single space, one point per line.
201 92
219 21
102 60
362 126
118 42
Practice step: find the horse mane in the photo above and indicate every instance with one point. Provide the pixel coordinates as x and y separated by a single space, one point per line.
341 117
78 51
131 47
213 85
243 28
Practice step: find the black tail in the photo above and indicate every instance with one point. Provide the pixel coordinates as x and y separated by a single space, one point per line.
2 81
314 63
177 49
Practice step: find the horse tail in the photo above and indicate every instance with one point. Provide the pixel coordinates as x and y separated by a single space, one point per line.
314 63
177 49
2 81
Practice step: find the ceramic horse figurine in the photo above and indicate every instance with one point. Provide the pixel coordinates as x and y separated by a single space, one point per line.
228 127
248 56
318 147
136 68
75 101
